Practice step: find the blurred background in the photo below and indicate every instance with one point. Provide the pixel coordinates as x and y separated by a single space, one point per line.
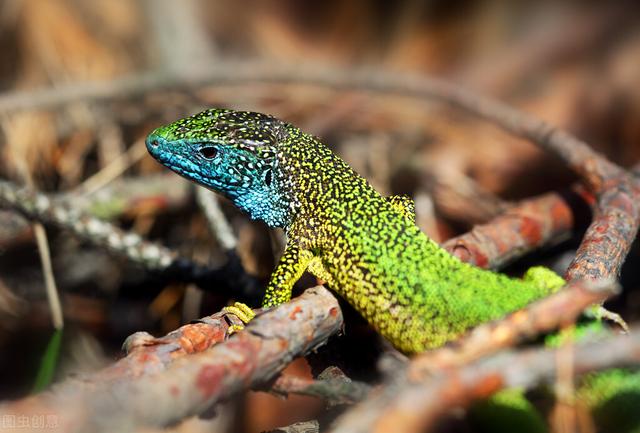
575 64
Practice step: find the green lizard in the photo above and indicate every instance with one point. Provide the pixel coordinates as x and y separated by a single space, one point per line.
366 247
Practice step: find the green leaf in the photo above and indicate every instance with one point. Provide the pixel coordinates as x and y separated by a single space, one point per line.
49 362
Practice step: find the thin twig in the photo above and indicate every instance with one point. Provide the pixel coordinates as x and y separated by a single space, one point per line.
53 296
549 218
608 239
147 354
563 414
334 390
123 197
39 207
114 169
218 224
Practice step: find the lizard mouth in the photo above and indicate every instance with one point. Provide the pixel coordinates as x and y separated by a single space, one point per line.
157 148
230 182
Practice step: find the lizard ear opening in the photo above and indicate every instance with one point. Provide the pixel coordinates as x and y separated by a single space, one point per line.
267 178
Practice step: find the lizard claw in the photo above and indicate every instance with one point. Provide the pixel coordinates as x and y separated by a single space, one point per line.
241 311
601 313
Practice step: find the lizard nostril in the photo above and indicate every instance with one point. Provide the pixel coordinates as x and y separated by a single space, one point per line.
155 142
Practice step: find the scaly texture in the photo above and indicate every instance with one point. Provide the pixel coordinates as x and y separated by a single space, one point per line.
365 246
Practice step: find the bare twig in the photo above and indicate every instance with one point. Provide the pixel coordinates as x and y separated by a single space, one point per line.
114 169
521 229
218 224
617 215
336 390
524 227
147 354
39 207
563 414
615 225
53 296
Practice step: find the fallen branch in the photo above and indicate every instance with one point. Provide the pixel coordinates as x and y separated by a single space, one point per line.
407 405
545 315
522 228
230 278
147 354
608 239
192 384
123 197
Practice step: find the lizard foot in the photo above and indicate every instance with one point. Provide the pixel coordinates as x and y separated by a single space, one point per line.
600 313
241 311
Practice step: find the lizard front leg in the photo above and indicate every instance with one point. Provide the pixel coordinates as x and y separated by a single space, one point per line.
292 265
317 269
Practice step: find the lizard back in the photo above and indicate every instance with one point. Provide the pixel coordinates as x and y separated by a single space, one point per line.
410 289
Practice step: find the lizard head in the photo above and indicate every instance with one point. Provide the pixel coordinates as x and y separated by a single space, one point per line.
231 152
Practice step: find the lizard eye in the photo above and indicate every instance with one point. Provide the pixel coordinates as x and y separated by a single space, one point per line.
208 152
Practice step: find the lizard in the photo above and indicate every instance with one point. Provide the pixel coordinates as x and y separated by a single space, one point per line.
366 247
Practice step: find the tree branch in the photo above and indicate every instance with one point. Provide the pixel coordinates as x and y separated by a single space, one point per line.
231 278
192 384
409 405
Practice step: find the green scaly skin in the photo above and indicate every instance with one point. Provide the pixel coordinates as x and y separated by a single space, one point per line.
365 246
